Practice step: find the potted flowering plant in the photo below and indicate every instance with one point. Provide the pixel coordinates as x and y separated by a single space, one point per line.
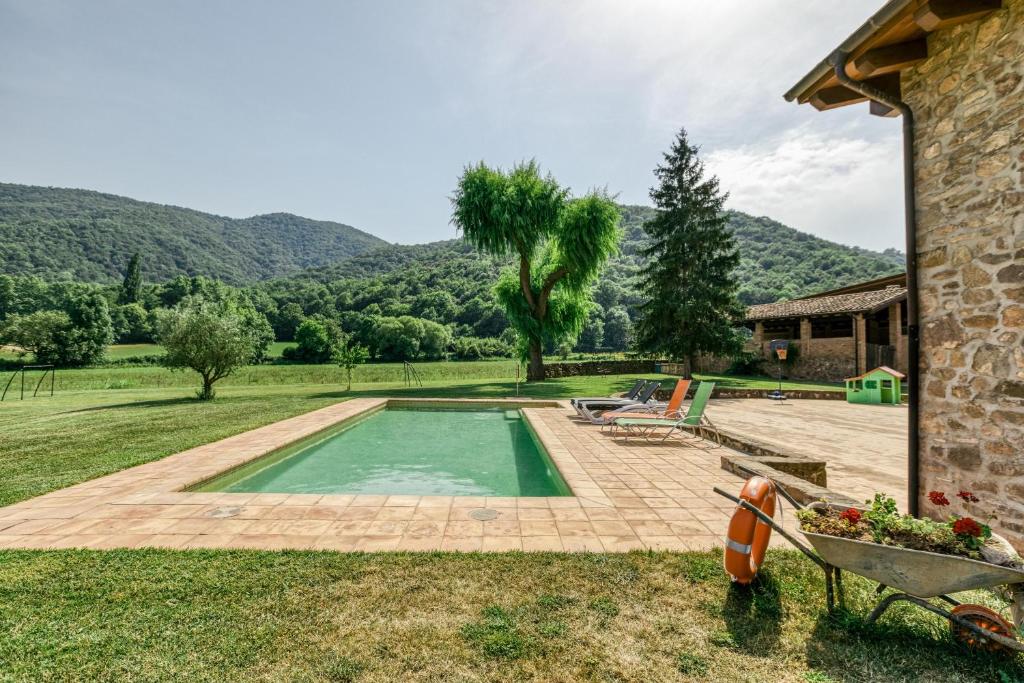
880 522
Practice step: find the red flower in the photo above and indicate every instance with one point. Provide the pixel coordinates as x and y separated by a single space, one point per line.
965 526
967 497
850 515
938 498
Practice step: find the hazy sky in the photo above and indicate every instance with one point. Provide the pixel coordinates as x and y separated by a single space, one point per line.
365 113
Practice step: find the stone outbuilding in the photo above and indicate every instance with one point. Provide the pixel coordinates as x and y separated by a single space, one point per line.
838 333
953 72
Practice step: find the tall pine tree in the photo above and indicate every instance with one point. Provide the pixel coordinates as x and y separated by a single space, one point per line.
131 288
688 284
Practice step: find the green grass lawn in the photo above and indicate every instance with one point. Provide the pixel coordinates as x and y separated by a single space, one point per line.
308 616
235 615
142 377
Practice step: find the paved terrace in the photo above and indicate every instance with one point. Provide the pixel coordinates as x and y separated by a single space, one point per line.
627 496
865 446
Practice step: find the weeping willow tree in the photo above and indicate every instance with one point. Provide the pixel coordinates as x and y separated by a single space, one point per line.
561 243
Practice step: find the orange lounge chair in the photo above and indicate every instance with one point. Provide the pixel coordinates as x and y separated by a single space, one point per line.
671 410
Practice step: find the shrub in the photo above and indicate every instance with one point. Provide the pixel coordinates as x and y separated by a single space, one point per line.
745 363
475 348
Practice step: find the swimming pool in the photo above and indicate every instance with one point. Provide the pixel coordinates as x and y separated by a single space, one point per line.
421 451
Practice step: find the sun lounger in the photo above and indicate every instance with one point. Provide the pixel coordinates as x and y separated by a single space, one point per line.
631 394
588 409
696 420
671 410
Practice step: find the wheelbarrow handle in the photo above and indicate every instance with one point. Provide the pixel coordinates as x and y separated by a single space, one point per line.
771 522
778 487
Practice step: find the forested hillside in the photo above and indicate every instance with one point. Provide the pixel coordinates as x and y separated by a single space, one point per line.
89 236
776 261
402 301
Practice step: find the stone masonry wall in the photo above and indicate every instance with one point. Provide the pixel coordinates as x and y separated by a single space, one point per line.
599 367
968 101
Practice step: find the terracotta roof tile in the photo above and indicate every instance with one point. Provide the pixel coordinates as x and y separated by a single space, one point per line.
859 302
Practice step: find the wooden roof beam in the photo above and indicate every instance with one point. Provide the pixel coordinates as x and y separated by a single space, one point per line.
836 96
889 58
937 14
840 96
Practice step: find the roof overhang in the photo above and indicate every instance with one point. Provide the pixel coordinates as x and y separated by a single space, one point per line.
894 38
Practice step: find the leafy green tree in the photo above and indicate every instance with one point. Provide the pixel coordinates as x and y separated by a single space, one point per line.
396 339
561 245
131 324
39 333
211 337
688 283
131 287
435 339
348 355
288 319
592 335
617 329
316 340
77 335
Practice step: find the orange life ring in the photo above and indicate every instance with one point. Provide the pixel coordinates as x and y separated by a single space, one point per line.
747 538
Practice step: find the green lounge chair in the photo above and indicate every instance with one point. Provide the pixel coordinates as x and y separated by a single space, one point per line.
695 421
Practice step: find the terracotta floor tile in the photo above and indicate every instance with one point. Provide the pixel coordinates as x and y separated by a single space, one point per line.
621 544
419 543
542 544
396 513
339 543
535 514
502 543
538 528
372 543
464 529
607 528
464 544
426 529
577 544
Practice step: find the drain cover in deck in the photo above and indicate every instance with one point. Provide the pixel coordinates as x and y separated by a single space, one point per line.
483 514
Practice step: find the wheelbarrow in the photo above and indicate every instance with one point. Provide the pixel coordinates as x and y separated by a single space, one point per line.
917 576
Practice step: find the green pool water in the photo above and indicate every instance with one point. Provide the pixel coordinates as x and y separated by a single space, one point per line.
479 452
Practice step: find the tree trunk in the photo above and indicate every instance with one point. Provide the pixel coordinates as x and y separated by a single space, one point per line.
206 393
691 364
535 370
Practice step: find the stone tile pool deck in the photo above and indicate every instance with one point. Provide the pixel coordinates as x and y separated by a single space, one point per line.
627 495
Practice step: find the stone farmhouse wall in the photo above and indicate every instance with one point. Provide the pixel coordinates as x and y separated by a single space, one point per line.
968 101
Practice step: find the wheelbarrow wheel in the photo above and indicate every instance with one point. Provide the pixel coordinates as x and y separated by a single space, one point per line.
987 619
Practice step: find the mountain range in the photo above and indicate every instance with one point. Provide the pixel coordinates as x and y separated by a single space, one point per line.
83 235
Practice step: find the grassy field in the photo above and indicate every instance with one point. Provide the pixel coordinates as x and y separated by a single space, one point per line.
142 377
307 616
125 351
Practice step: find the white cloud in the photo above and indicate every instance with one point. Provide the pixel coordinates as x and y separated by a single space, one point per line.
842 188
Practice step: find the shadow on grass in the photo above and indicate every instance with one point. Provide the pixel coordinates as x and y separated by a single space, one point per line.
753 616
840 639
153 403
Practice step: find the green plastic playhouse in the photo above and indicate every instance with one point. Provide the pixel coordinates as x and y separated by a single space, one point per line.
879 386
